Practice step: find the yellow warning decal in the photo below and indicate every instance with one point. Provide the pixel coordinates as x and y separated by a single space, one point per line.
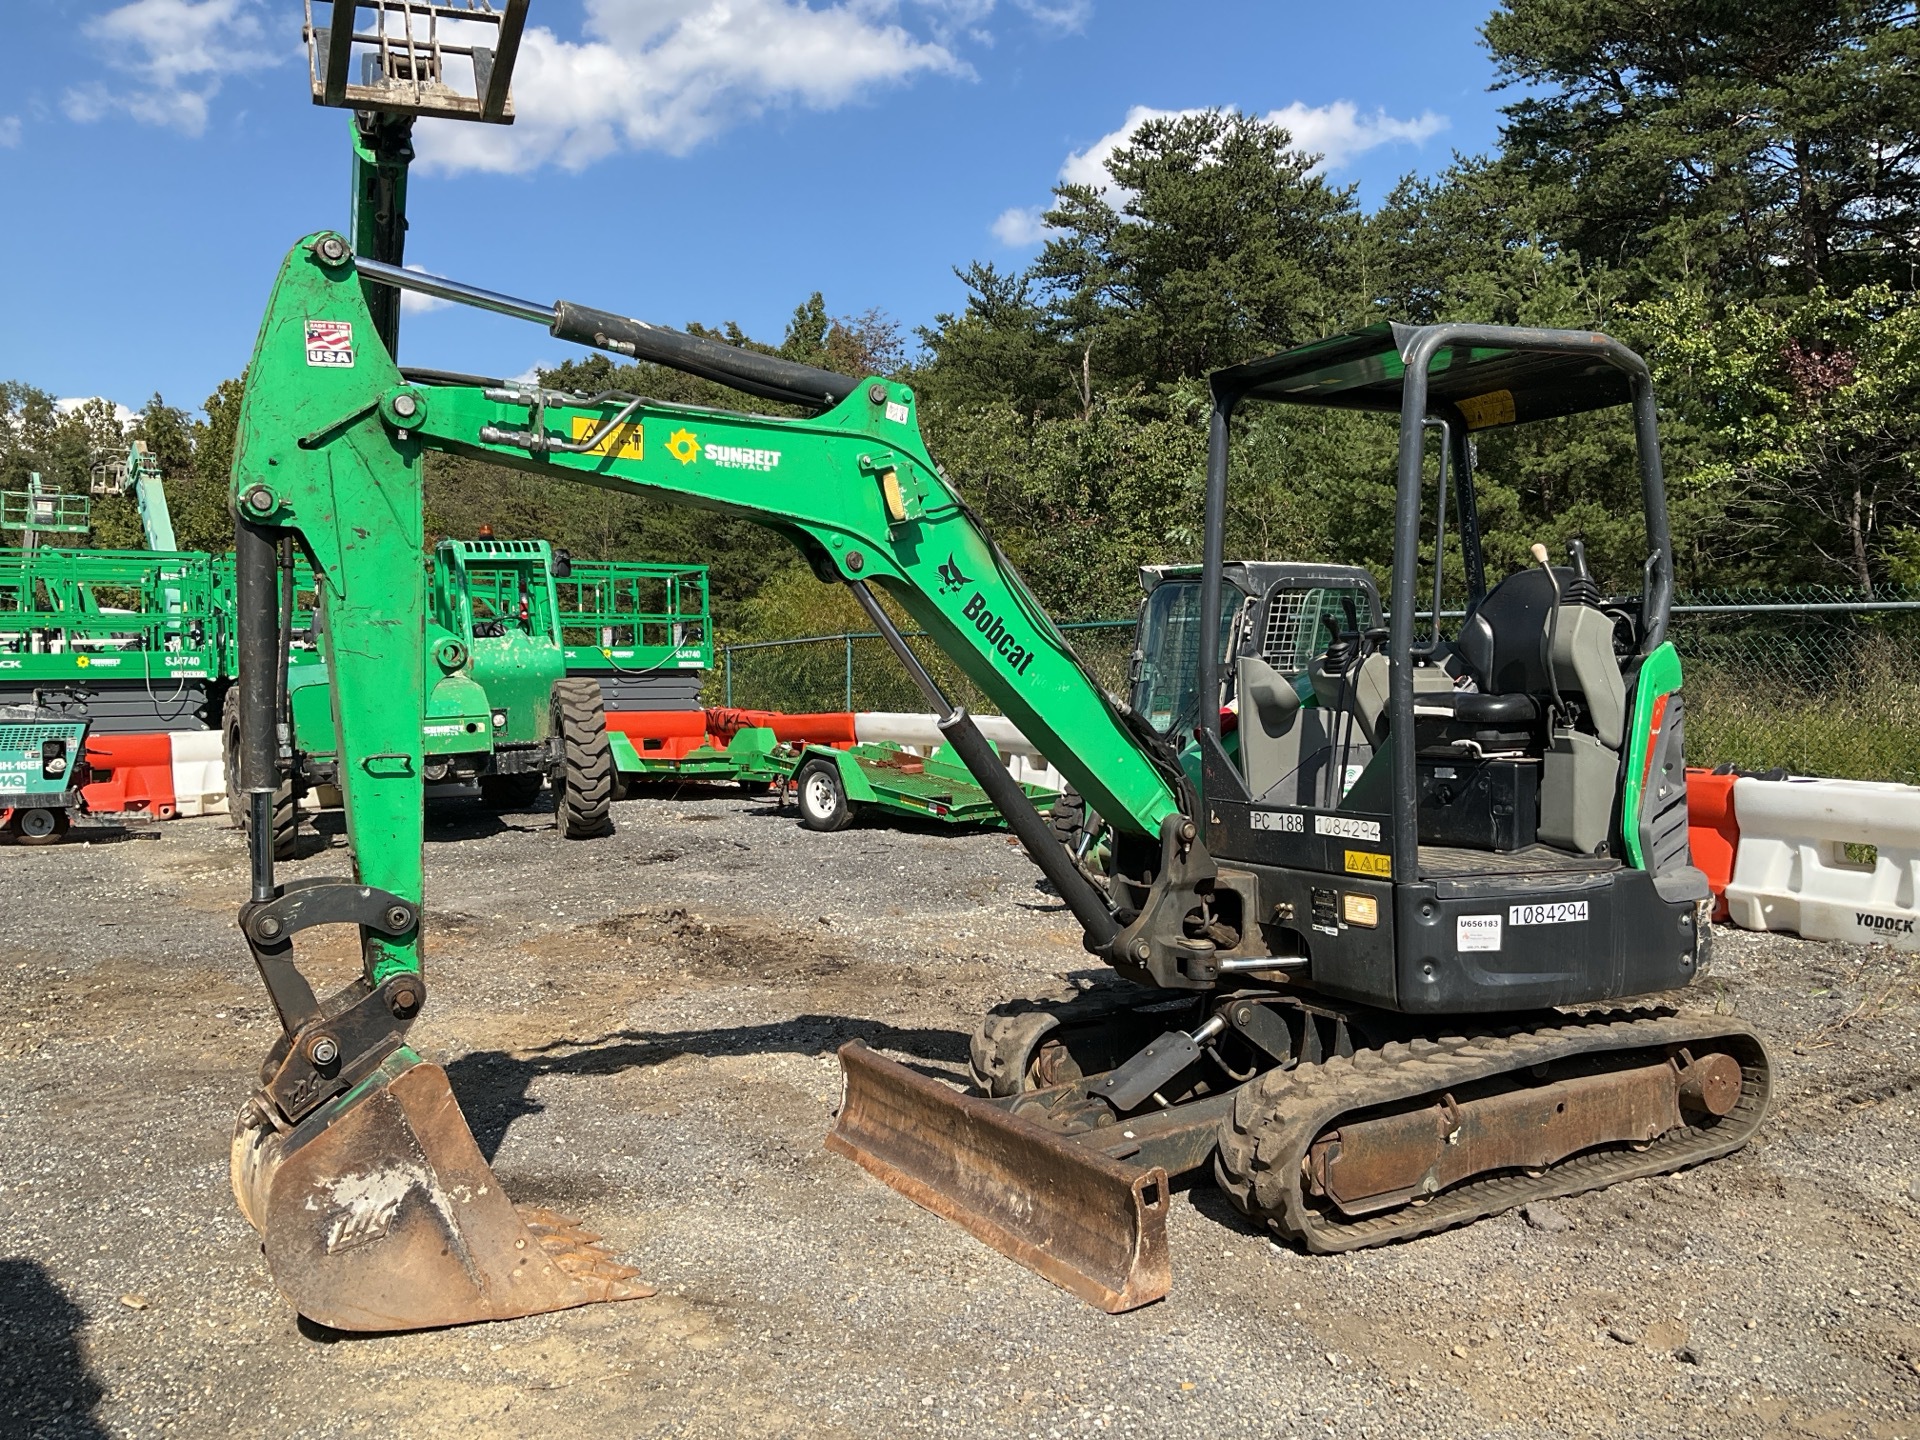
1366 862
1493 408
624 442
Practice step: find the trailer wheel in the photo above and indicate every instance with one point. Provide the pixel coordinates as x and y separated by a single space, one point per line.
585 788
39 825
510 792
823 798
286 814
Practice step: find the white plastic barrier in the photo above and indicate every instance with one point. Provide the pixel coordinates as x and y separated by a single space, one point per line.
923 730
1032 770
1792 871
199 772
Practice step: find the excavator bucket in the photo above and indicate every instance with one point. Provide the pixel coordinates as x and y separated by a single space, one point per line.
377 1212
1089 1223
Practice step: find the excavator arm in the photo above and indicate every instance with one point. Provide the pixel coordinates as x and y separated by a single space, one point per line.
353 1159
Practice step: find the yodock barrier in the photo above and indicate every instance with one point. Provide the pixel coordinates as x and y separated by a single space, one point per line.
1828 860
199 772
132 774
1713 832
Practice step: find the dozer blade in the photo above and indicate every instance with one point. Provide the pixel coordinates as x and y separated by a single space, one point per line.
1087 1222
378 1213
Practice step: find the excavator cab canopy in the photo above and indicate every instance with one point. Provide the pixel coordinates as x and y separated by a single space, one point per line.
1456 380
1485 385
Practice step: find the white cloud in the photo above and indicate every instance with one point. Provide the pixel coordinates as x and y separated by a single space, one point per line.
1020 226
120 412
1339 132
1336 133
9 131
180 51
1061 15
667 74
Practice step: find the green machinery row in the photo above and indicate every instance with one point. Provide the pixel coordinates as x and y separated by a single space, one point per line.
530 649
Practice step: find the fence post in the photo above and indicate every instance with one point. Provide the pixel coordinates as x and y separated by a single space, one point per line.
849 640
726 664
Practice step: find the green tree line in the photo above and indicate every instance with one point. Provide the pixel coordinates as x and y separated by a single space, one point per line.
1732 190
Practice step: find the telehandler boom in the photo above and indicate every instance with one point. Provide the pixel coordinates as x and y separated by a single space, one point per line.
1325 1004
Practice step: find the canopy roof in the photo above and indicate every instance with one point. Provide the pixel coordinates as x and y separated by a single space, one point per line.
1488 385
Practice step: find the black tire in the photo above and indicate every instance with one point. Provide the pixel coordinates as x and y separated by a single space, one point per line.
510 792
286 814
822 796
584 793
1068 817
38 825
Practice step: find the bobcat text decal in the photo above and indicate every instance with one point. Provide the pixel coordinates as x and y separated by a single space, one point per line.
996 634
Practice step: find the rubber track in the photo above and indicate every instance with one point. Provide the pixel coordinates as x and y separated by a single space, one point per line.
1276 1119
586 781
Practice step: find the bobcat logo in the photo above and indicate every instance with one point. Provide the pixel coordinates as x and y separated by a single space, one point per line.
950 577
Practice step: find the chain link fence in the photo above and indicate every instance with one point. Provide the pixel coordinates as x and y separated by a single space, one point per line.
1817 682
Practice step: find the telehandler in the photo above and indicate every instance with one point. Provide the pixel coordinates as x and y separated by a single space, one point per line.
1366 941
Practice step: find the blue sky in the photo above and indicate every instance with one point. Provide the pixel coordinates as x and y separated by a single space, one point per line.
675 160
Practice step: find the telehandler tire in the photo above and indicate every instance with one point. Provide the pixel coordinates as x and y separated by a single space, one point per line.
584 792
510 792
286 813
823 798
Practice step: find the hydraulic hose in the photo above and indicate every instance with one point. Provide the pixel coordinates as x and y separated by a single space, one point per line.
256 573
767 376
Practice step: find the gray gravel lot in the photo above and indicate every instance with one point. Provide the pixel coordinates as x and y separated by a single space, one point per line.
641 1031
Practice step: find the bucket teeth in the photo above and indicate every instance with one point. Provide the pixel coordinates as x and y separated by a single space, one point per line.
379 1213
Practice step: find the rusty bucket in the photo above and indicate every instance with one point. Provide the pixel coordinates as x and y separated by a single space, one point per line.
377 1212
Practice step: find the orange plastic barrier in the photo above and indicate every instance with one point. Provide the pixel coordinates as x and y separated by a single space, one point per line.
638 725
830 728
131 773
1713 834
661 734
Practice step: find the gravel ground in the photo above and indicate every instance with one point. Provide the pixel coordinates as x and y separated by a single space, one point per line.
641 1031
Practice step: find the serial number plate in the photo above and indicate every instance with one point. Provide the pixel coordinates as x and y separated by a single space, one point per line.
1561 912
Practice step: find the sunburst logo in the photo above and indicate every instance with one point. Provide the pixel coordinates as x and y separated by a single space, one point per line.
683 446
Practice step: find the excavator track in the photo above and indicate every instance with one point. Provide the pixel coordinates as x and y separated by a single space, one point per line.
1267 1145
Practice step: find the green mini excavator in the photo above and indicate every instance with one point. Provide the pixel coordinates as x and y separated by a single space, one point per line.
1370 953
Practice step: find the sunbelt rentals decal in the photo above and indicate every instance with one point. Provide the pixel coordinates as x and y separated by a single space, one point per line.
687 447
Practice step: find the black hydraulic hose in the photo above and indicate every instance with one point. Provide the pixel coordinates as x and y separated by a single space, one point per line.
282 711
767 376
256 567
1043 847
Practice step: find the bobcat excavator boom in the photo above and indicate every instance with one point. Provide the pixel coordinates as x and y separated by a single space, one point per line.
1262 976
